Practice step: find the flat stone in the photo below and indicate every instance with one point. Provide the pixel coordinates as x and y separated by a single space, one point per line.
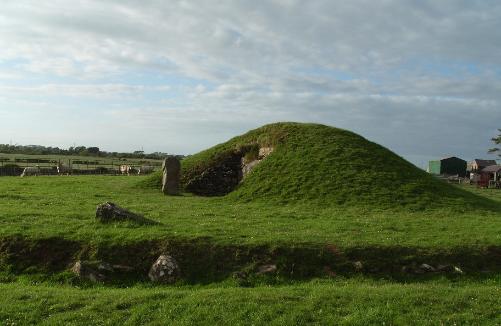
267 269
109 212
98 271
88 271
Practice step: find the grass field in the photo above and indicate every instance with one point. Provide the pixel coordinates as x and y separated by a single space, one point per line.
353 302
345 249
41 208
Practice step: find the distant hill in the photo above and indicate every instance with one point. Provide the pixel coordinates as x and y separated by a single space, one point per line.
322 165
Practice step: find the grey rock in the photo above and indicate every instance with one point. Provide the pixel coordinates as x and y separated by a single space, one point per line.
425 268
109 212
98 271
267 269
88 271
122 268
247 167
445 268
358 266
171 168
164 270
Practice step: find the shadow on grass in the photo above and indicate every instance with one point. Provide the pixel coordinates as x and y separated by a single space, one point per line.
202 261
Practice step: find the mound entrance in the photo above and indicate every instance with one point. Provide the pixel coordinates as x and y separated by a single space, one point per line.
226 173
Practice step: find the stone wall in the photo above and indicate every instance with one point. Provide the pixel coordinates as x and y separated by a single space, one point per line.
225 176
220 179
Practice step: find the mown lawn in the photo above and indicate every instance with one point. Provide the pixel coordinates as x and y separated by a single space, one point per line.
52 206
354 302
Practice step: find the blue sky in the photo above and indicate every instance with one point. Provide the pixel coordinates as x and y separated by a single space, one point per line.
422 78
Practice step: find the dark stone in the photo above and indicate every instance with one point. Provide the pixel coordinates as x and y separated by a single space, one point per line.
425 268
88 271
224 176
109 212
242 279
218 180
171 169
98 271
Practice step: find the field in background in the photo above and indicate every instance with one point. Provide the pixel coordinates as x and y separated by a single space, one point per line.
82 164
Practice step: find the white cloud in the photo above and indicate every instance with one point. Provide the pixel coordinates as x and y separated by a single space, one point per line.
80 90
396 71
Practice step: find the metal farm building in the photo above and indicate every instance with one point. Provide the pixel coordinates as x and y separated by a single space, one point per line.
449 165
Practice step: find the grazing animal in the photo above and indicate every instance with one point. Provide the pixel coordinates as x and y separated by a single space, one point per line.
63 169
145 170
127 169
32 170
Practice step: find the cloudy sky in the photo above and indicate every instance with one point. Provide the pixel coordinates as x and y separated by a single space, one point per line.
422 78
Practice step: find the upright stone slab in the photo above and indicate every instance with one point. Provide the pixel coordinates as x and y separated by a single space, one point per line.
171 168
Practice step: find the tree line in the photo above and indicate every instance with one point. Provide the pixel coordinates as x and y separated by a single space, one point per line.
76 150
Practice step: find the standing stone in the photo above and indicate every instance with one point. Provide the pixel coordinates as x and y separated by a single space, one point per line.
171 169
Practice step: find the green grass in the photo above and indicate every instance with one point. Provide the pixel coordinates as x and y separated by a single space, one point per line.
42 207
313 221
326 166
354 302
46 209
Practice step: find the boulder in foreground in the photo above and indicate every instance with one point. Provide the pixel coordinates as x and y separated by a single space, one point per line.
164 270
109 212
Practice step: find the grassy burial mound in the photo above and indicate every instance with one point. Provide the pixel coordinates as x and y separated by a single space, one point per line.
312 163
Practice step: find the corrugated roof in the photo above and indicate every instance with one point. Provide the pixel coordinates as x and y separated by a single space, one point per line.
492 168
484 162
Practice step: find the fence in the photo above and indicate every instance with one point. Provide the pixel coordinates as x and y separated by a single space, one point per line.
14 166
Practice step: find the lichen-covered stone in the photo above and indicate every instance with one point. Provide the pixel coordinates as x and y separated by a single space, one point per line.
164 270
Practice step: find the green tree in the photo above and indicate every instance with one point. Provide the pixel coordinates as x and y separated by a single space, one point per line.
497 141
93 150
